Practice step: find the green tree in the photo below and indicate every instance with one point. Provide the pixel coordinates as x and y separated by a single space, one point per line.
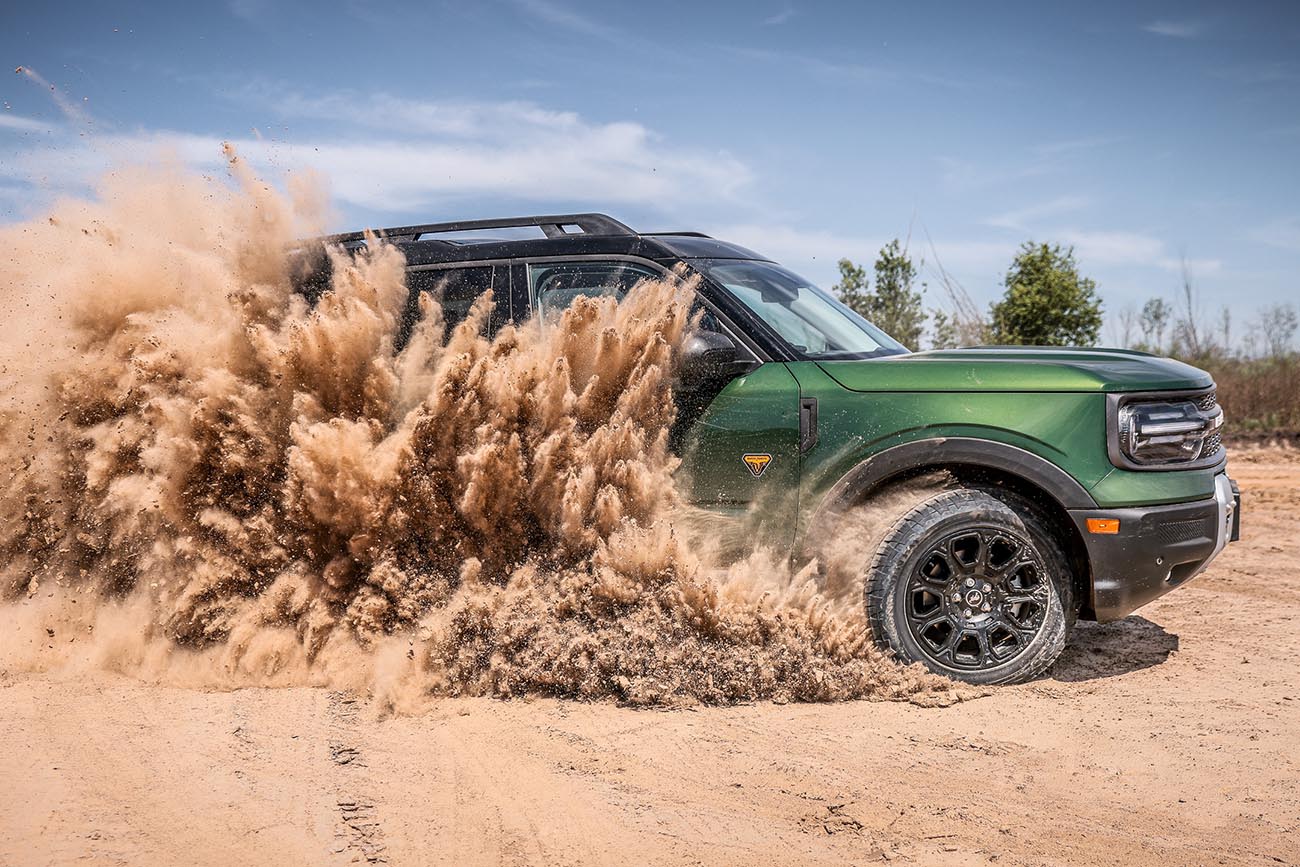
897 307
1047 302
894 306
854 288
1156 314
944 331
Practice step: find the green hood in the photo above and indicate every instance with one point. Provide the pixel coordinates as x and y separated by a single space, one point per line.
1018 368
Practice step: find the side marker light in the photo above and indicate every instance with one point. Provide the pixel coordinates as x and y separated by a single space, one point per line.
1103 526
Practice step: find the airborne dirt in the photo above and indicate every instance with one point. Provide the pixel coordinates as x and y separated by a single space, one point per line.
208 481
1167 738
265 583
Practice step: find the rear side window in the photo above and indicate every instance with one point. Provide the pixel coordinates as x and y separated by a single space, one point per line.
554 285
456 289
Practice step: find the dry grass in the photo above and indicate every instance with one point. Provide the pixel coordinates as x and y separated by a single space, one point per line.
1260 396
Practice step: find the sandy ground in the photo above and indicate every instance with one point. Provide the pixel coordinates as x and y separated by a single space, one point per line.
1172 737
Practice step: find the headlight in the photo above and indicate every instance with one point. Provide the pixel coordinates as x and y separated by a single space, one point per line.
1168 433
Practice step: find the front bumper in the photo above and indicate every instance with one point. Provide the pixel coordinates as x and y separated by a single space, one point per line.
1157 548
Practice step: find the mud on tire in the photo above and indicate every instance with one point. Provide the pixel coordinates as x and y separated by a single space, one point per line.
973 584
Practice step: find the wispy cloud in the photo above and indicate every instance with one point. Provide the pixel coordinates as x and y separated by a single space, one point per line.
1075 145
1185 28
415 117
567 18
509 150
1261 72
1023 219
962 175
1283 234
1012 168
23 124
842 73
1120 248
251 11
780 17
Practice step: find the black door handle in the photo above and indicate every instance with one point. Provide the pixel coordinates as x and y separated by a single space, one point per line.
807 423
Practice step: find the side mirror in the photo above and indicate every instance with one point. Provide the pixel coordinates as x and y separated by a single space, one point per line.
707 356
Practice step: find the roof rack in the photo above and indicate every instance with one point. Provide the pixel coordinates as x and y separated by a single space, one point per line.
553 226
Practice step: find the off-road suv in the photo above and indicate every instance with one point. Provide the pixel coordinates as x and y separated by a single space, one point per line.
1083 482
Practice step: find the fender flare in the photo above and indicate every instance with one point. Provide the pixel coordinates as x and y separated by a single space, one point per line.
966 451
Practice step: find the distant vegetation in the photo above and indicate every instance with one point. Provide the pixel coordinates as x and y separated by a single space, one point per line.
1047 301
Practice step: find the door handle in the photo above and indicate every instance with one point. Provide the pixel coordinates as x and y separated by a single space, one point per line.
807 423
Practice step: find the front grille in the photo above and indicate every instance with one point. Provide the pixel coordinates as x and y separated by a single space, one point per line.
1213 443
1209 402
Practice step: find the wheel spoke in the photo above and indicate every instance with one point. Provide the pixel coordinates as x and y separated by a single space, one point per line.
982 638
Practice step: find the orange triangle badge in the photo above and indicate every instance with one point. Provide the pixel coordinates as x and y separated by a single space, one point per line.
757 463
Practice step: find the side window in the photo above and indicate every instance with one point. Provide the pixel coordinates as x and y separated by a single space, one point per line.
554 285
456 290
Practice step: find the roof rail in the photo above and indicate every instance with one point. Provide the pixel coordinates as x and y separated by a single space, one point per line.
552 226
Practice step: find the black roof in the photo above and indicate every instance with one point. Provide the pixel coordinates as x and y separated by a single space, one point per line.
560 235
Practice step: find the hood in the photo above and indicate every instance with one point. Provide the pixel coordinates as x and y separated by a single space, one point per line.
1018 368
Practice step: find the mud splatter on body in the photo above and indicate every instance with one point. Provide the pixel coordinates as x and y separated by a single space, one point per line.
208 480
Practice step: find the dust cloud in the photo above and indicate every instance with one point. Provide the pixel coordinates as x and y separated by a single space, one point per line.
210 482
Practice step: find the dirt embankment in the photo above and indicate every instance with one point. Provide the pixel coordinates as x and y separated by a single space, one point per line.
1168 738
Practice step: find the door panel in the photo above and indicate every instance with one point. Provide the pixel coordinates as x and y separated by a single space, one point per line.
754 500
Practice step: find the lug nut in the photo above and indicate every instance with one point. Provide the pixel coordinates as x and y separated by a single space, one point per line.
988 587
970 582
967 612
956 597
987 607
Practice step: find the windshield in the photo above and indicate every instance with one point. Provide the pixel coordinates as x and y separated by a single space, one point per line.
811 320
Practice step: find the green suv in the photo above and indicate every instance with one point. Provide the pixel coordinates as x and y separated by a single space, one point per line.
1082 483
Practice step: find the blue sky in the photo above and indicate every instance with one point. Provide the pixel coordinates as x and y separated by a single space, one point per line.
1142 134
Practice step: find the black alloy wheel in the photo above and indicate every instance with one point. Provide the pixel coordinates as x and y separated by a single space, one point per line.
973 584
978 598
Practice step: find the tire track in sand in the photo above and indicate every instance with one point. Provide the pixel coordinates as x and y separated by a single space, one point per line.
358 832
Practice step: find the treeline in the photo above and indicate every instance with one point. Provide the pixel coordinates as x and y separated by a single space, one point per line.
1046 301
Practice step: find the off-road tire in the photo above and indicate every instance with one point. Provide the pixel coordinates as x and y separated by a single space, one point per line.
937 535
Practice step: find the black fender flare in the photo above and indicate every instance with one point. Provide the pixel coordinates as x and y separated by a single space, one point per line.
962 451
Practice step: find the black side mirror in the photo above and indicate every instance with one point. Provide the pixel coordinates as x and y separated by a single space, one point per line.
707 356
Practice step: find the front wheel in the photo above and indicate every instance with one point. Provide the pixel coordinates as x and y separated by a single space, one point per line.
974 586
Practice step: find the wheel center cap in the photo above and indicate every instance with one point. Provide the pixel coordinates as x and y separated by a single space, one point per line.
974 598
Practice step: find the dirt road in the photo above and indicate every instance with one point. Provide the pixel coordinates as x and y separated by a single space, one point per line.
1172 737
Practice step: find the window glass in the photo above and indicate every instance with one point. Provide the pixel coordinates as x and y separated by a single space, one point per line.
812 321
456 289
556 284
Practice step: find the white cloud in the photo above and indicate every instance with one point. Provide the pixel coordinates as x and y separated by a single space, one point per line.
414 117
1023 219
1129 249
427 154
24 124
1177 29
